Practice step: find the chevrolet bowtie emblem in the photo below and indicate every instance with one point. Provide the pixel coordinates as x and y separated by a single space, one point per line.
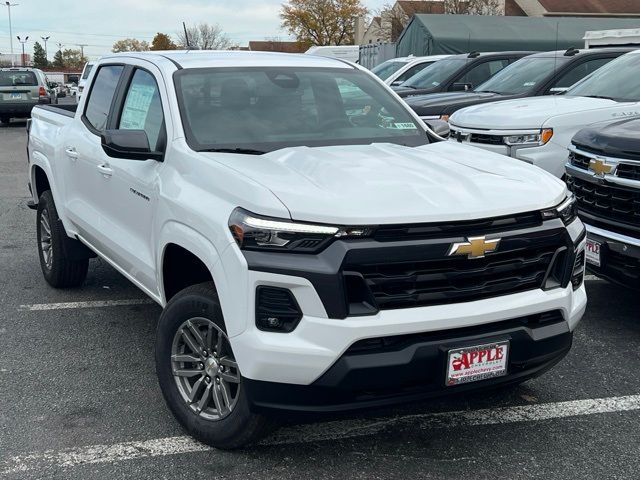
600 167
474 247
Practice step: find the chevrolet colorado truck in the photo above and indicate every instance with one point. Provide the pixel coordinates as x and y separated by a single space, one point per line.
603 172
315 248
539 130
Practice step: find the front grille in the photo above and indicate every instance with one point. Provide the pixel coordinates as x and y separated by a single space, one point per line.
398 342
486 139
406 284
628 170
578 160
625 265
389 233
612 203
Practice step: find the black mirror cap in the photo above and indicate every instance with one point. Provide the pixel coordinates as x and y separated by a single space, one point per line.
129 144
461 87
439 127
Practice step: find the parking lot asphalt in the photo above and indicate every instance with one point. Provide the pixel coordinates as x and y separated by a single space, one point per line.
79 396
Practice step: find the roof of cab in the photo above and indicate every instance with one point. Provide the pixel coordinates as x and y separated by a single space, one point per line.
234 58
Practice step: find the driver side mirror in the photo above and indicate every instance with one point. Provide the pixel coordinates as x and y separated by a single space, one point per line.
439 127
461 87
129 144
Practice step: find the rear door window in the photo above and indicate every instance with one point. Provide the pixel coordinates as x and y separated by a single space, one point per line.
17 78
101 96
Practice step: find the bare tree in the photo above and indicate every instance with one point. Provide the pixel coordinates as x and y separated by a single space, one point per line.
205 37
474 7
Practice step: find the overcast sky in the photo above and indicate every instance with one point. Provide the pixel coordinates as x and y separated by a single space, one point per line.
100 23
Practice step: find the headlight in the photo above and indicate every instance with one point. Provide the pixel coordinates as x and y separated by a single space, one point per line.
530 139
255 232
567 211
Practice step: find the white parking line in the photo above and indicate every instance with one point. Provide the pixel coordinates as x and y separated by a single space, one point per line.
334 430
96 304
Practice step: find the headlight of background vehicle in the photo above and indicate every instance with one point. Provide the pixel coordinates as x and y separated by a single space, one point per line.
255 232
530 139
567 211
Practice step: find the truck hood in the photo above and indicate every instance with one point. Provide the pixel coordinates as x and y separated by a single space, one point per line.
437 103
617 139
387 184
525 113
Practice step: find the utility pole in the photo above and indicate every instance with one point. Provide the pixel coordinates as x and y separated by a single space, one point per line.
46 54
9 5
81 45
23 42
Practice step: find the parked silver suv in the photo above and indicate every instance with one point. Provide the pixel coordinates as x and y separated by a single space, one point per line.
20 89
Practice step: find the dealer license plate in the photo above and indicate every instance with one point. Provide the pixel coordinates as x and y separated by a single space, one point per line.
592 251
16 96
471 364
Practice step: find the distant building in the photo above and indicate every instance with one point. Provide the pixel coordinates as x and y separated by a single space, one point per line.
6 59
388 26
277 46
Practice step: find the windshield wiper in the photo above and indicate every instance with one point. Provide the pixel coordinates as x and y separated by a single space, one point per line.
246 151
599 96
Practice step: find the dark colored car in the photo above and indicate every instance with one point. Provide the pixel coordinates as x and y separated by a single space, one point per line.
538 74
603 173
458 73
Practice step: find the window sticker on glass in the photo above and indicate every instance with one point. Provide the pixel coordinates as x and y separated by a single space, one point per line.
136 109
528 84
405 126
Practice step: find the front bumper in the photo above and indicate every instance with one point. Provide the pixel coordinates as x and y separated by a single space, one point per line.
619 256
399 369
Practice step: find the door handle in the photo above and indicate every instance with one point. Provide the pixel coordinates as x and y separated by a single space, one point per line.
71 153
105 170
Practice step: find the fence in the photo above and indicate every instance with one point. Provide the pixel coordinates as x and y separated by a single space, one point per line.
373 54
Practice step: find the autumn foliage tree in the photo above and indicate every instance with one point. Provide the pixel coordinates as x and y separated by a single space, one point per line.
204 36
162 41
130 45
322 22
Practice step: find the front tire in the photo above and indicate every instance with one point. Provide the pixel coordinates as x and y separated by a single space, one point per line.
58 269
198 374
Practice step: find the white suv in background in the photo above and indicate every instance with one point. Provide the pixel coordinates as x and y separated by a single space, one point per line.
83 78
395 71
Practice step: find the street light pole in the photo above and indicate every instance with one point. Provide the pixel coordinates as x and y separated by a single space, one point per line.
23 42
81 45
9 5
46 54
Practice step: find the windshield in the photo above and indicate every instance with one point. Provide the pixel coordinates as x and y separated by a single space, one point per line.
618 80
86 71
17 78
388 68
265 109
435 74
521 76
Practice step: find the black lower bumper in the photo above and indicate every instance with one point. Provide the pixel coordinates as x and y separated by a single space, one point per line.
19 110
619 260
406 368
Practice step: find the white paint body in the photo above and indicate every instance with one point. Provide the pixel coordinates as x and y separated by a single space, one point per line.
566 115
191 196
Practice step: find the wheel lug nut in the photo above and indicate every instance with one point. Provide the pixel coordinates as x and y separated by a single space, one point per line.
201 366
207 379
205 353
217 380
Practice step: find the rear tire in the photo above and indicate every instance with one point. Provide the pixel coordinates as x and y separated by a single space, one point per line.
211 406
58 269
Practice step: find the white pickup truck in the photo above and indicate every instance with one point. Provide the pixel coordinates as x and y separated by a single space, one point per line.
314 246
539 130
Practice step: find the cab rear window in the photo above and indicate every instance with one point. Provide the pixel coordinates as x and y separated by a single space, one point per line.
17 78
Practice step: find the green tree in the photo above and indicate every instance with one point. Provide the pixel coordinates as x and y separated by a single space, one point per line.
322 22
162 41
58 60
130 45
73 59
39 56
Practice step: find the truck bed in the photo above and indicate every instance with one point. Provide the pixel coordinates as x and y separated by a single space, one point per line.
68 110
